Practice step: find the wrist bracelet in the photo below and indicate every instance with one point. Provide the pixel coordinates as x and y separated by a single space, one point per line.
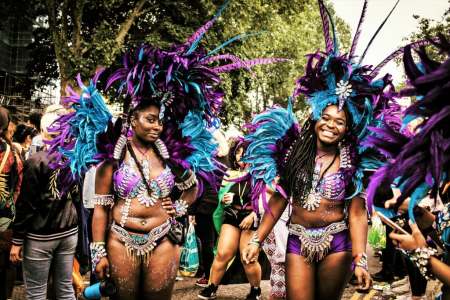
98 251
181 207
255 240
421 258
361 261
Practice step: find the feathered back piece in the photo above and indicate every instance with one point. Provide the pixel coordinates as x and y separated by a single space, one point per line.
185 81
419 164
182 77
271 134
77 134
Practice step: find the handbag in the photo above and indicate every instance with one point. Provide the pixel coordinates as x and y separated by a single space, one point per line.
4 221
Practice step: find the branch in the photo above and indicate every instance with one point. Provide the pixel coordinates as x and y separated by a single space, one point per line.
64 22
126 25
76 35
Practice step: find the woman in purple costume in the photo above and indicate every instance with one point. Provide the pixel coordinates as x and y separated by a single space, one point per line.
321 170
142 259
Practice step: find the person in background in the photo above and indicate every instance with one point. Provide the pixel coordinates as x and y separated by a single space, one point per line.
36 143
11 173
203 210
22 140
239 224
45 230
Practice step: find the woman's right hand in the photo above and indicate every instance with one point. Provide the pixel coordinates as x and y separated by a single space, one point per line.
102 268
250 254
227 198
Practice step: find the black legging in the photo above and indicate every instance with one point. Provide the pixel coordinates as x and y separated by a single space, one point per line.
206 233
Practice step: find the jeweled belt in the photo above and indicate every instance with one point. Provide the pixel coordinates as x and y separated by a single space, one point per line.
315 242
140 245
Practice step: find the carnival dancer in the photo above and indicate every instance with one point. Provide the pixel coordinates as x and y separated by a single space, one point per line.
150 174
320 169
237 226
419 164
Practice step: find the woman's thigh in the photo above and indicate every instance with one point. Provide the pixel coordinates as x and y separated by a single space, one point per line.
159 274
124 270
333 274
300 278
228 242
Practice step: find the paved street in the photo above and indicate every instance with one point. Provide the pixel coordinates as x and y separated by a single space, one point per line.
186 289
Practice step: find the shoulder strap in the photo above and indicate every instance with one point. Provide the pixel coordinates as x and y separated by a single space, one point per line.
5 157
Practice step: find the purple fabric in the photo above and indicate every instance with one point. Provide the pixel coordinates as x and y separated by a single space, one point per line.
341 242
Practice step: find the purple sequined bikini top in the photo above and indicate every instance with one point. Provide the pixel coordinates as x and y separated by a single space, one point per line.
128 183
332 186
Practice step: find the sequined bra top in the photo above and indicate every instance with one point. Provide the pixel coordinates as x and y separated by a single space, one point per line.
330 186
128 183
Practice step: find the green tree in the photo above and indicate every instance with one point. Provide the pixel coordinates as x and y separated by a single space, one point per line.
78 36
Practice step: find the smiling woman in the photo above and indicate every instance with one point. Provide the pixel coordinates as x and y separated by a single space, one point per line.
332 126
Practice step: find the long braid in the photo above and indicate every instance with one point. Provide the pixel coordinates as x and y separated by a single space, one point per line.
300 163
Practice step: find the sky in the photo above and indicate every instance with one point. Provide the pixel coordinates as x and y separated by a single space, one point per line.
399 26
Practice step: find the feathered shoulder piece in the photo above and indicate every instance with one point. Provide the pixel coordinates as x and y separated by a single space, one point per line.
77 134
419 163
271 136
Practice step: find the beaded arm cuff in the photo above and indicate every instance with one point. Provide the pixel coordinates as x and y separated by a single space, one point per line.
105 200
188 183
180 207
421 258
97 252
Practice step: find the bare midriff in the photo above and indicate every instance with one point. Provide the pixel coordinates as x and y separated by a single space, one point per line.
328 212
140 218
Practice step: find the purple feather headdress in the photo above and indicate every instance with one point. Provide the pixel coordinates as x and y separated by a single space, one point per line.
332 77
420 164
181 78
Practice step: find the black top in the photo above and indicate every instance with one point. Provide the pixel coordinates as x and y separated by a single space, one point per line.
40 210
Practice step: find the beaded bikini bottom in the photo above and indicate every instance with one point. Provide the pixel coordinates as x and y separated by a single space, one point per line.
315 242
140 245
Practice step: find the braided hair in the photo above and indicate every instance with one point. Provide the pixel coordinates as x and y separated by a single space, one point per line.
299 166
300 163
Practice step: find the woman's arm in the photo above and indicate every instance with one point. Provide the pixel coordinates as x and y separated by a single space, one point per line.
103 200
277 205
358 235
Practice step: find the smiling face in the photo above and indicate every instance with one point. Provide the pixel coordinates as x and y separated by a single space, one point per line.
146 124
332 125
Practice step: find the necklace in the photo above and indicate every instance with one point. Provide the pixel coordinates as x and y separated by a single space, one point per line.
145 162
241 193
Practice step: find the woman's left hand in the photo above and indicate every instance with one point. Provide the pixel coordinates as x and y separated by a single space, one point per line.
409 241
363 276
168 206
247 222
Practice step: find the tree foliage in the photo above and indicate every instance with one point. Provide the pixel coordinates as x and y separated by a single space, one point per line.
77 36
429 28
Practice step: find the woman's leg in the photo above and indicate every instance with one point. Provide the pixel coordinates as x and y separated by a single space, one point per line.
300 278
124 270
226 249
159 275
252 271
333 273
62 267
